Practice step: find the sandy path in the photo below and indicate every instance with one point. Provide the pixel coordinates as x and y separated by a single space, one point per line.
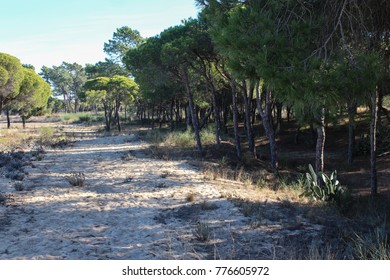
133 207
129 209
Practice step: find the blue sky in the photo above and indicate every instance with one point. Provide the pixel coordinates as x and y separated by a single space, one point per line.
47 32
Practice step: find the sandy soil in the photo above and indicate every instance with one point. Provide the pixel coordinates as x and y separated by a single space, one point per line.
131 207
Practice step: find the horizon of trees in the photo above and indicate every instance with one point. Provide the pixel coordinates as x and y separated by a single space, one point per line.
247 62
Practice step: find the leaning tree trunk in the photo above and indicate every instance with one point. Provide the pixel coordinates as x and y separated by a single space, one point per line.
373 127
320 147
265 114
191 106
235 120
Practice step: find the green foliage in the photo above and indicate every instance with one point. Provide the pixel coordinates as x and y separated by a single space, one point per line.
105 68
33 95
386 101
323 187
123 39
11 77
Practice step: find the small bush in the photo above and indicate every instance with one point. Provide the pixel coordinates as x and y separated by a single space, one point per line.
14 165
202 231
19 187
154 136
4 159
76 179
15 175
3 198
85 118
207 206
46 135
190 197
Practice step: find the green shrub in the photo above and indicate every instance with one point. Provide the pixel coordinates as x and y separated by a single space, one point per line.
84 118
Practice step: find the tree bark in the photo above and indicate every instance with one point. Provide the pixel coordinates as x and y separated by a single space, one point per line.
373 140
217 119
247 94
8 119
65 102
235 120
171 113
320 147
265 114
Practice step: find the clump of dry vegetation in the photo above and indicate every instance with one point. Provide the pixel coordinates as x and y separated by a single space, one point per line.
191 197
202 231
76 179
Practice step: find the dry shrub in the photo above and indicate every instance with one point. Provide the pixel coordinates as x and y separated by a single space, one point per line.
76 179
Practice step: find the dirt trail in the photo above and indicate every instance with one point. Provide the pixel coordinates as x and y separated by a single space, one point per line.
132 207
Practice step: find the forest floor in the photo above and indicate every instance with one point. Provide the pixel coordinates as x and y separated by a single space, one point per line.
134 205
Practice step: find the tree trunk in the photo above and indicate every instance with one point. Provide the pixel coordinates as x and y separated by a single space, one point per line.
320 147
171 112
296 136
191 106
235 120
65 103
8 119
373 154
107 118
24 122
279 119
351 132
76 104
288 113
248 91
188 117
217 119
265 114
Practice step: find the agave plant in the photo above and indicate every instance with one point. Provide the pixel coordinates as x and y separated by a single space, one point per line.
328 189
